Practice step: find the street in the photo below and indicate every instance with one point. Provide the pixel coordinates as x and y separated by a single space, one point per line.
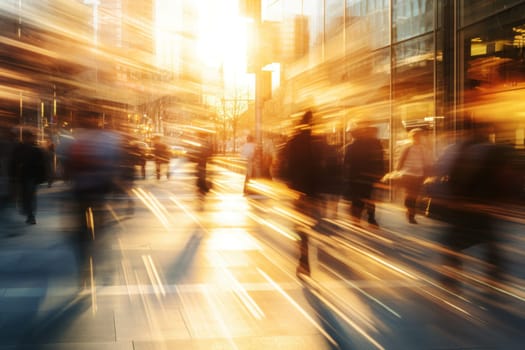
173 269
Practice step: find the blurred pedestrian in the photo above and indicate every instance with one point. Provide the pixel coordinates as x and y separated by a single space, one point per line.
7 188
363 167
415 165
93 165
268 157
162 155
301 165
331 177
203 153
130 157
248 152
137 153
480 175
28 169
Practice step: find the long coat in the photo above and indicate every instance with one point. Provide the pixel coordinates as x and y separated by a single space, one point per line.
364 165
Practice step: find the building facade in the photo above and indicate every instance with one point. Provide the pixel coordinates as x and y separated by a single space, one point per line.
400 64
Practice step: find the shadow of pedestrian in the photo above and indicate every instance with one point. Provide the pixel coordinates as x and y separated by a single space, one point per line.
336 335
183 263
51 326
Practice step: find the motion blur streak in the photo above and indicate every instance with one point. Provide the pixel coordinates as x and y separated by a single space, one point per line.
90 222
493 284
187 211
282 231
368 295
295 216
447 302
297 306
243 296
153 276
338 310
151 205
92 286
377 259
151 319
361 231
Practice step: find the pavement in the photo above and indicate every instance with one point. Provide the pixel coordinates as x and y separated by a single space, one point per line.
184 271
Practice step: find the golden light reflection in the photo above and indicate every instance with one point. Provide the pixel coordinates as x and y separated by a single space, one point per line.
153 275
221 36
153 205
303 312
275 227
242 294
232 239
230 210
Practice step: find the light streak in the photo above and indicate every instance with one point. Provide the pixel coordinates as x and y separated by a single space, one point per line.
374 299
245 298
298 307
153 276
145 198
378 260
288 234
187 212
93 287
337 311
295 217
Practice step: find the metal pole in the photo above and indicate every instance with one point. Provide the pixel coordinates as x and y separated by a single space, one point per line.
258 92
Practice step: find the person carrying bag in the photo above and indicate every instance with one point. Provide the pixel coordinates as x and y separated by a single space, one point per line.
414 166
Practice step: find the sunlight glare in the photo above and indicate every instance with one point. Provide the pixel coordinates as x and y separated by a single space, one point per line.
222 35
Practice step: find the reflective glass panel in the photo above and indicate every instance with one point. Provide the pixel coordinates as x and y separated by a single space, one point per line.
411 18
368 24
473 10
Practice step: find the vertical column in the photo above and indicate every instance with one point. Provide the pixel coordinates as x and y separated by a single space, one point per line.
252 9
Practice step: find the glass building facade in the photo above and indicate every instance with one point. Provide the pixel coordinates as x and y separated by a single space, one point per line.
406 63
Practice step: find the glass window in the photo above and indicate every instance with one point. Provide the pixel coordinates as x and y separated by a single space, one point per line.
368 96
334 11
473 10
412 18
334 38
367 24
413 84
492 76
314 11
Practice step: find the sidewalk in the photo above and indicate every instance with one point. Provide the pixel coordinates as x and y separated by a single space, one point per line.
161 281
164 280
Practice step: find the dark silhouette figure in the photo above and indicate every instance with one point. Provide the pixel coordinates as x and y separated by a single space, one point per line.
162 155
7 188
203 153
364 166
479 174
137 153
94 165
414 164
130 157
28 169
301 169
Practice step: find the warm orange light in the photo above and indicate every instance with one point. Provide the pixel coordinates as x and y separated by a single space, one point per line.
221 37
